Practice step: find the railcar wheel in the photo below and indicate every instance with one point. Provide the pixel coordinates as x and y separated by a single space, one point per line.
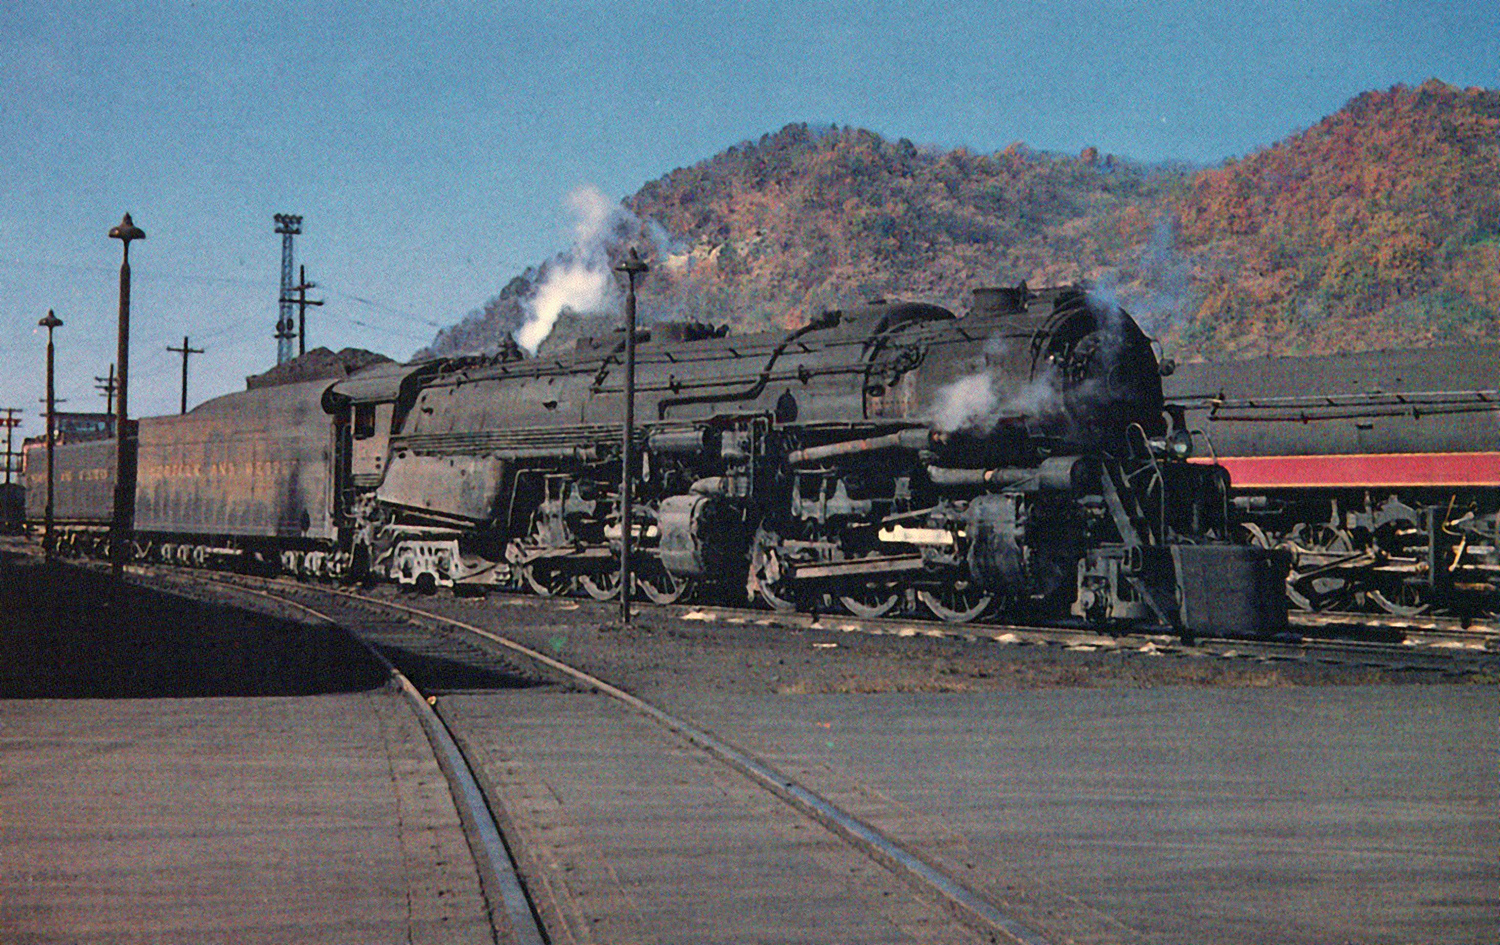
1318 593
1403 601
545 581
772 583
871 601
601 585
769 579
660 585
959 602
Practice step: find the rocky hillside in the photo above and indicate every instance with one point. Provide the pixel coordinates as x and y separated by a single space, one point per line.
1378 226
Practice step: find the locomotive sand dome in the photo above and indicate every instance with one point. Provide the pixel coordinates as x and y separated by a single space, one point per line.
876 458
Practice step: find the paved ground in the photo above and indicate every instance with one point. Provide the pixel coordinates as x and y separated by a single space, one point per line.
1097 800
626 835
1099 797
278 820
1350 814
247 818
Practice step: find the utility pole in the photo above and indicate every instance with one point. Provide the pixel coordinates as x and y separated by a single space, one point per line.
11 421
106 386
49 323
302 303
288 225
632 266
124 512
184 351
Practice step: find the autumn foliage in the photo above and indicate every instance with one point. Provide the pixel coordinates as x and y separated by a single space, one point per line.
1379 226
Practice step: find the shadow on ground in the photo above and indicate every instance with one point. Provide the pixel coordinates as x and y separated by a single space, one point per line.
438 674
69 633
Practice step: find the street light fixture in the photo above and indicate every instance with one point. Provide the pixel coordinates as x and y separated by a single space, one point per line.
49 323
124 486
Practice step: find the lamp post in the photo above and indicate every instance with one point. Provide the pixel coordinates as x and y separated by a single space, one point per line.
124 485
49 323
632 266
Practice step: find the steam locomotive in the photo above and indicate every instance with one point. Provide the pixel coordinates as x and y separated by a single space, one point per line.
1017 460
1379 472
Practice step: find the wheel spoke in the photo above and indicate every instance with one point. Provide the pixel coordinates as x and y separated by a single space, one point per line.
871 601
959 603
601 585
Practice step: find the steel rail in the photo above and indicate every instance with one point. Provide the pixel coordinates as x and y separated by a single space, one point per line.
964 903
498 876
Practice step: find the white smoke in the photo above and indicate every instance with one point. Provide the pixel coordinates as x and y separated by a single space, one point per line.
965 403
580 279
978 402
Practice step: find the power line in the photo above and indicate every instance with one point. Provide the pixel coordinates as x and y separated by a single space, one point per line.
383 307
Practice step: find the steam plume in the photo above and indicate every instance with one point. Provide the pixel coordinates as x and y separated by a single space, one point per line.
579 279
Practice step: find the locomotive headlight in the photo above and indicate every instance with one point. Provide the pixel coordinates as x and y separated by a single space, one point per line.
1180 443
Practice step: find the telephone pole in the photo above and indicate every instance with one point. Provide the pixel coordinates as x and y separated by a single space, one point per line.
10 422
184 351
302 303
633 266
106 386
49 323
288 225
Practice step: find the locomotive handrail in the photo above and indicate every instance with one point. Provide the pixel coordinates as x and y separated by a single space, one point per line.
1475 399
802 374
822 322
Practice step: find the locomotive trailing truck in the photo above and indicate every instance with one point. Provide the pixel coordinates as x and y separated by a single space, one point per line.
1015 461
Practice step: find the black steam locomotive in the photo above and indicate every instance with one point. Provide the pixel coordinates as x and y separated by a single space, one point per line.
1016 460
1378 471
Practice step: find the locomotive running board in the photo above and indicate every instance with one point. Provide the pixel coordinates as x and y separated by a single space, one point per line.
858 567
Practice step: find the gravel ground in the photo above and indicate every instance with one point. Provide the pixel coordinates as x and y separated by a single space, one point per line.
759 653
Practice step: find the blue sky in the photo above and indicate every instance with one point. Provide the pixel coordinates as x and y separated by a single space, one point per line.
430 146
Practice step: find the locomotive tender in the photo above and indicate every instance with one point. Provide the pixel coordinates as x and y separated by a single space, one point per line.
1015 460
1378 471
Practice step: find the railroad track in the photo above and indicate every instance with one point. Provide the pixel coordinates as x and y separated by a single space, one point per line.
402 634
1425 644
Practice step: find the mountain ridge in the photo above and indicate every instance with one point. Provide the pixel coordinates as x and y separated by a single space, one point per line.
1377 226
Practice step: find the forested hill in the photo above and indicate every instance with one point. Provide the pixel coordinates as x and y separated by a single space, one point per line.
1379 226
